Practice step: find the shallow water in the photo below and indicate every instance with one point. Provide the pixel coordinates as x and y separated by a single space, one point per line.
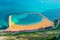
26 19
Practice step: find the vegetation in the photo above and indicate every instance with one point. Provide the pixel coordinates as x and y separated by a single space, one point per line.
37 35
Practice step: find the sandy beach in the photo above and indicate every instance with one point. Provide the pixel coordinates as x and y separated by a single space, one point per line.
45 23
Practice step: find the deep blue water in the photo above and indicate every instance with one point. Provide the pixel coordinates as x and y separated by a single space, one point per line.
52 14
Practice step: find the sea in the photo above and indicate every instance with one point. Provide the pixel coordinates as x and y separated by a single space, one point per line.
49 8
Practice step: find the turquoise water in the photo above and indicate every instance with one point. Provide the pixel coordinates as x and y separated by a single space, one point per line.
49 8
26 19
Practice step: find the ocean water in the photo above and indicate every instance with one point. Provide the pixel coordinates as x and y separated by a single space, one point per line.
26 19
49 8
